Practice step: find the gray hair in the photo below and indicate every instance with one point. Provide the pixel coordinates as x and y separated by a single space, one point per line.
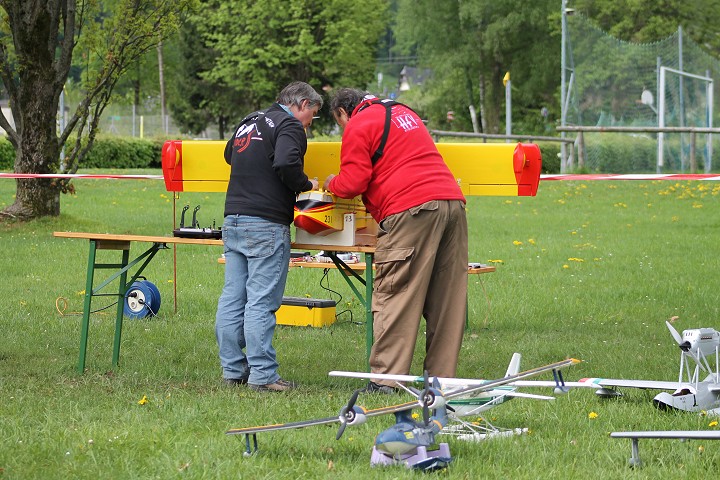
297 92
347 99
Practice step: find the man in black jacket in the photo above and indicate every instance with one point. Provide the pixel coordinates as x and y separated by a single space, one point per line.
266 157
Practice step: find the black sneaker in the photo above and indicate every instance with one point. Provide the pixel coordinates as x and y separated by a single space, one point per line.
373 387
279 385
234 382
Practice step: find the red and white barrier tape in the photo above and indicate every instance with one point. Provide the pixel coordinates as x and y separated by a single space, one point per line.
633 176
568 176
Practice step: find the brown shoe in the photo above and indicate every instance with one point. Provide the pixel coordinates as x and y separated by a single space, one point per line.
279 385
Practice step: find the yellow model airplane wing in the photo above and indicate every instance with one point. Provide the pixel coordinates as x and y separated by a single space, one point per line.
500 169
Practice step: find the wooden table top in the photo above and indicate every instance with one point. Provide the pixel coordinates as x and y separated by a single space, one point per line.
198 241
112 237
137 238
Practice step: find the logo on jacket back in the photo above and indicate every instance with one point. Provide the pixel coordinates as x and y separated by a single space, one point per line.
244 135
406 121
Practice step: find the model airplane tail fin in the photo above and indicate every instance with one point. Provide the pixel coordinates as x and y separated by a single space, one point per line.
514 367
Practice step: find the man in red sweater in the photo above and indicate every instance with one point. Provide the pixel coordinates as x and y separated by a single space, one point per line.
388 157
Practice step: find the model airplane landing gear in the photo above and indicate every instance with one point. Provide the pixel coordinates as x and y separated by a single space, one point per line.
249 452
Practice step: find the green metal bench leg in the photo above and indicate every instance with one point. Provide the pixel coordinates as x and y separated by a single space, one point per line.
368 306
120 307
86 306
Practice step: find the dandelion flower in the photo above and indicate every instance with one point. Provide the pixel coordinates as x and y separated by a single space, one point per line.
517 242
592 415
714 423
143 400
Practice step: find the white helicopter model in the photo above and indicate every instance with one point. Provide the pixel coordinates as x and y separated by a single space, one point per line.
689 393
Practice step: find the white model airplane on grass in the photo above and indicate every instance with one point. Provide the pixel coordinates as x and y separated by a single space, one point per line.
689 392
472 404
408 441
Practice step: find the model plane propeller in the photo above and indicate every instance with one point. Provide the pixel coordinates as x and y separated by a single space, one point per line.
351 415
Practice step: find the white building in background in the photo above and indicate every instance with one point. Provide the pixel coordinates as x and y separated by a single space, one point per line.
412 76
8 114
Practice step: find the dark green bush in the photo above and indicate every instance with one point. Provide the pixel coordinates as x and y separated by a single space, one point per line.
620 153
123 152
7 154
550 152
107 152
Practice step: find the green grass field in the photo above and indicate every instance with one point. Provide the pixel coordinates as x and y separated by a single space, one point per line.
589 270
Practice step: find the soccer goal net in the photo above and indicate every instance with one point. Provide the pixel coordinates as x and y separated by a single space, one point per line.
617 83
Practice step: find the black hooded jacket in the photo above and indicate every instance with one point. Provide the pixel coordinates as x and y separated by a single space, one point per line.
266 158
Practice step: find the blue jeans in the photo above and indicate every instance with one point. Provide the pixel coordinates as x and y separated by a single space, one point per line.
257 255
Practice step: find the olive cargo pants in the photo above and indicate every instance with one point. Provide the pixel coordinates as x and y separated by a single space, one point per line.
421 263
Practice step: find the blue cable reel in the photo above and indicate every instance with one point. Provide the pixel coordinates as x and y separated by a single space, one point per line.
142 299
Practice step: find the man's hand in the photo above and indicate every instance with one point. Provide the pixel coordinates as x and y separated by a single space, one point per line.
326 185
314 183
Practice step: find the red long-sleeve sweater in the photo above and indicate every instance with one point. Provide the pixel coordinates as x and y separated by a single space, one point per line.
410 172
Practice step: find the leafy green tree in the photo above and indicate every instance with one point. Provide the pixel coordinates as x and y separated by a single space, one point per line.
198 102
38 41
262 46
471 44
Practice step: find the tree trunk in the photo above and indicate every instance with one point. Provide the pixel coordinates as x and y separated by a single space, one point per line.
37 197
222 126
161 75
38 150
483 116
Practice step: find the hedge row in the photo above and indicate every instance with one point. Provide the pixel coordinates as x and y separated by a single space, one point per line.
106 153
